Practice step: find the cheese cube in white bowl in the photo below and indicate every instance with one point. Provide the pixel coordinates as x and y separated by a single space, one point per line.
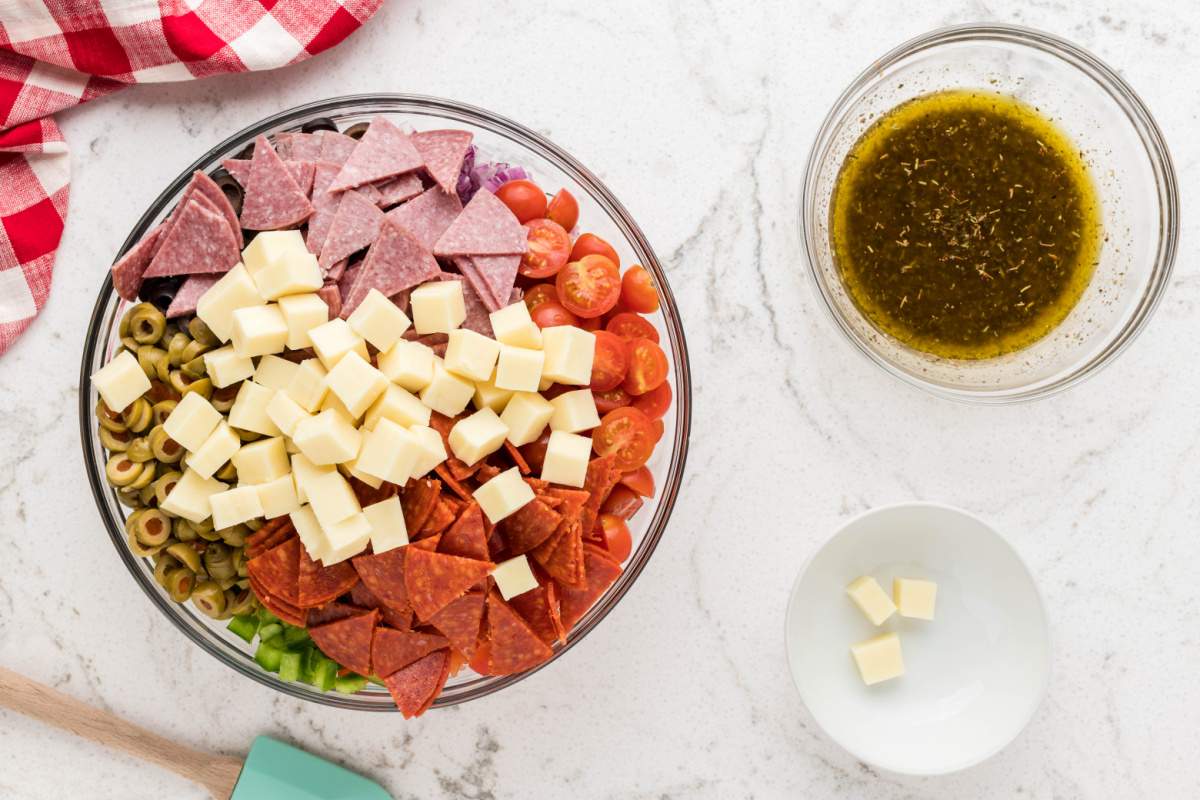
447 393
574 411
356 383
879 659
437 307
249 411
302 312
487 395
519 368
388 453
310 532
471 355
477 436
398 405
347 538
526 416
218 448
569 354
331 498
192 420
914 598
121 381
303 473
235 289
378 320
278 497
334 339
388 530
234 506
431 449
328 438
190 496
308 387
566 461
407 364
274 372
293 274
259 330
513 326
870 598
503 495
262 461
285 413
514 577
225 367
268 247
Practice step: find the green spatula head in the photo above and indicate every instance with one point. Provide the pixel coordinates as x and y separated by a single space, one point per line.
277 771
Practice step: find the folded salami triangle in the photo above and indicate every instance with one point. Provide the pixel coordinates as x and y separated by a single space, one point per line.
486 227
127 272
355 226
427 215
443 153
396 261
199 242
383 151
273 198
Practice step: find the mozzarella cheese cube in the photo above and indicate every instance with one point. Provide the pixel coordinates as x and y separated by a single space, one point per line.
513 326
310 533
274 372
328 438
302 313
569 351
192 421
356 383
546 382
285 413
332 401
566 460
346 539
470 354
398 405
431 449
350 470
407 364
879 659
249 411
526 416
307 386
293 274
388 530
234 506
447 393
225 367
503 495
304 472
519 368
488 396
914 598
218 448
871 599
262 461
514 577
259 330
334 340
332 499
190 496
574 411
388 453
479 435
234 290
268 247
121 381
378 320
437 307
278 497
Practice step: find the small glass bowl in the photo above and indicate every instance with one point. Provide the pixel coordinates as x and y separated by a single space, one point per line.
497 139
1121 144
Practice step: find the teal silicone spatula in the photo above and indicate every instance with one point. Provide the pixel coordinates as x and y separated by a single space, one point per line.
271 771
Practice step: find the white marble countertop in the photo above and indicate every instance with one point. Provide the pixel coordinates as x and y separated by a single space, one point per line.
698 115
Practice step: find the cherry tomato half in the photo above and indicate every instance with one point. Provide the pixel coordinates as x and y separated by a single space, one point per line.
609 362
659 430
641 481
637 290
534 453
627 435
647 366
541 293
524 198
590 244
548 248
617 540
589 287
563 209
611 400
551 314
628 325
592 324
654 403
621 502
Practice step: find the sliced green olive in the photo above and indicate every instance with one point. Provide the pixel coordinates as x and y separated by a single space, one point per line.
184 531
227 472
163 409
196 368
194 349
144 479
179 583
146 495
209 598
235 536
202 387
152 528
201 333
131 520
121 470
140 550
115 441
187 555
218 562
163 563
138 415
175 348
255 524
240 601
163 485
148 357
128 500
139 450
209 535
108 418
222 399
146 323
165 449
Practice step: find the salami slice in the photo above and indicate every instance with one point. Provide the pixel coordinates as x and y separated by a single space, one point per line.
392 650
336 147
466 537
278 570
486 227
189 294
461 621
396 261
383 575
418 499
319 584
199 242
332 297
302 174
306 146
238 169
427 215
511 645
208 187
355 225
282 142
433 580
127 272
530 525
443 153
562 556
325 205
414 688
602 572
332 612
383 151
397 190
273 199
301 171
539 608
348 641
335 273
478 317
492 276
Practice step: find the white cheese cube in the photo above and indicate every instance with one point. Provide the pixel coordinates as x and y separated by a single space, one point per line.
514 577
503 495
334 340
192 421
274 372
879 659
234 290
294 274
871 599
566 460
526 416
307 386
408 365
379 320
470 354
278 497
569 353
302 313
249 411
267 247
234 506
218 448
310 533
519 368
513 326
332 499
285 413
190 496
262 461
546 383
388 453
356 383
225 367
346 539
447 393
327 438
914 598
488 396
258 330
479 435
574 411
332 401
350 470
431 449
398 405
121 381
303 473
437 307
388 530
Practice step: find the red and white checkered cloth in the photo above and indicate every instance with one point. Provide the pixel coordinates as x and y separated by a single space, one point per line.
60 53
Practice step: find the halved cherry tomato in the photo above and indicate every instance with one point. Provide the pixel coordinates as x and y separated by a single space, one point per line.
589 287
609 362
524 198
590 244
647 366
628 325
638 292
654 403
641 481
659 430
627 435
616 536
551 314
541 293
548 248
592 324
621 502
563 209
534 453
611 400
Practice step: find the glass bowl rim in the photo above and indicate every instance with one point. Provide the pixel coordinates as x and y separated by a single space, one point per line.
1136 113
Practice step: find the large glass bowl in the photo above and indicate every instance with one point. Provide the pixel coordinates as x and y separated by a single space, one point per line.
1123 148
496 138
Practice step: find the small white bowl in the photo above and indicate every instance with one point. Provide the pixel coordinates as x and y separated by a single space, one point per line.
973 676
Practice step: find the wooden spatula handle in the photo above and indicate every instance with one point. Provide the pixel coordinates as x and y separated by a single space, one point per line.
219 774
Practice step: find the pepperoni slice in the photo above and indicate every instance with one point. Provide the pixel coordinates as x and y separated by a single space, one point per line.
512 646
562 555
278 571
383 575
433 580
467 536
418 500
530 525
319 584
348 641
539 608
414 688
392 650
602 572
460 622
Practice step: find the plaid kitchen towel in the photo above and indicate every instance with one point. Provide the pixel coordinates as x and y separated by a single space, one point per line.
60 53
